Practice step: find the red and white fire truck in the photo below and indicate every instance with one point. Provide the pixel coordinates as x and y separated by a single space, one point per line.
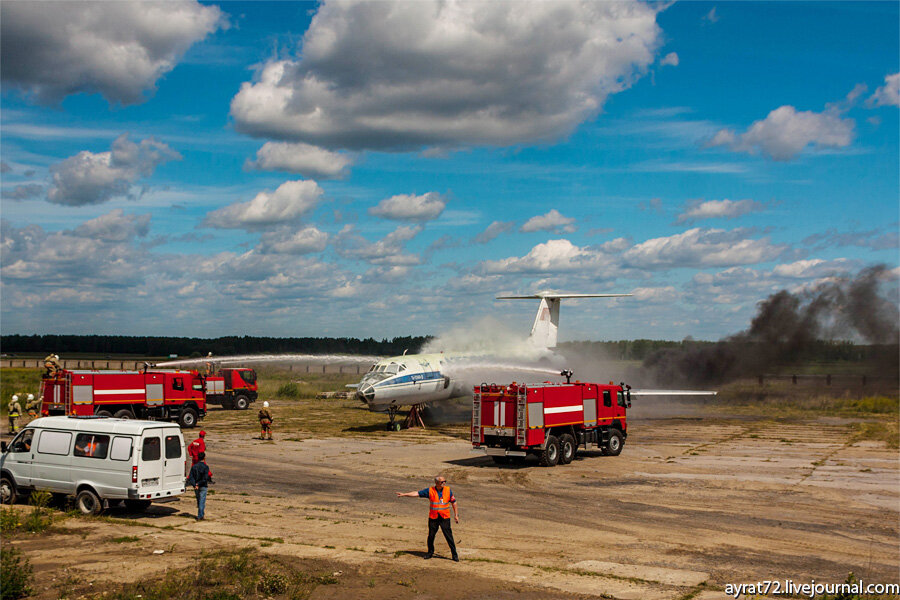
549 420
166 395
232 388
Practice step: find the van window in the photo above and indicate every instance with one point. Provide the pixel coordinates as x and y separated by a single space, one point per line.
91 445
54 442
151 449
607 398
121 448
173 446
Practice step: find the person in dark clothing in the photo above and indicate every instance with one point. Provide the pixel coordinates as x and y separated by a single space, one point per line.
441 501
200 478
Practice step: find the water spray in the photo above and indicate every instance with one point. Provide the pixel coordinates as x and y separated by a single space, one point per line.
271 358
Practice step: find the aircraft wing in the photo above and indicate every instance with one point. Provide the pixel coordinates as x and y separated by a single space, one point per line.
672 393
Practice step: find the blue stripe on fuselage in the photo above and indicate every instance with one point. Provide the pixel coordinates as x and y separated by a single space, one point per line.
411 378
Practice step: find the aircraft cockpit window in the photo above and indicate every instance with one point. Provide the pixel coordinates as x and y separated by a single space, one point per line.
402 367
392 369
380 368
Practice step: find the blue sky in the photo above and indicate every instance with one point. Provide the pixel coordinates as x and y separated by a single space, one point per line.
388 168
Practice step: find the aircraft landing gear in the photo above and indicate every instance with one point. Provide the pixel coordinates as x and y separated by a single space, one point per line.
392 414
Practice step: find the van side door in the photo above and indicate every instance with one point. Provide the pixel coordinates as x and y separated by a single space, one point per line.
52 462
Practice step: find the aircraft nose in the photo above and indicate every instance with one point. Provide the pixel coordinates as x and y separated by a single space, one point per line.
366 393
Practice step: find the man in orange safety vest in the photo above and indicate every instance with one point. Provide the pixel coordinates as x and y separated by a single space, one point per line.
441 500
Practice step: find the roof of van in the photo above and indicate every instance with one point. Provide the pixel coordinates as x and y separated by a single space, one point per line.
100 424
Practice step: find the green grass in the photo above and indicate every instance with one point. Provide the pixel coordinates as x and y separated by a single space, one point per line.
226 575
15 571
21 382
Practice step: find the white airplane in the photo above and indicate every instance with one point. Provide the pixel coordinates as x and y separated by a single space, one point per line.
416 379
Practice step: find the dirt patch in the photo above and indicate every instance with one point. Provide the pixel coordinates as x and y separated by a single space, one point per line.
690 505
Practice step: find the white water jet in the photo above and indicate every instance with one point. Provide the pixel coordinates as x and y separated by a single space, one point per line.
271 358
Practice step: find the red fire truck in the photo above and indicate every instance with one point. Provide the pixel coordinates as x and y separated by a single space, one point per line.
232 388
158 394
549 420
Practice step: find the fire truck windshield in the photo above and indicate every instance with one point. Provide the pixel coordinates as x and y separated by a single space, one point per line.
248 376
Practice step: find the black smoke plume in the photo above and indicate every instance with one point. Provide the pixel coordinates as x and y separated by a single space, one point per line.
790 328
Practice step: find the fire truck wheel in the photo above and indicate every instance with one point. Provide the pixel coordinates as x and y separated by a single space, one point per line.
549 457
8 493
614 445
566 448
88 502
124 414
241 402
103 413
188 418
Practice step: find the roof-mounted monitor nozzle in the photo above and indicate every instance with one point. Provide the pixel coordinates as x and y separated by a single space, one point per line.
567 373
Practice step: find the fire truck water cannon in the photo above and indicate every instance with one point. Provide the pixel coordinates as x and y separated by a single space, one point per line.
549 420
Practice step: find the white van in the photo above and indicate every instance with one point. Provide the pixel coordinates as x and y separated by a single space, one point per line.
95 459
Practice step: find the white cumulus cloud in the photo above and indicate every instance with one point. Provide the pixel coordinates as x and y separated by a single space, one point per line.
888 94
397 75
388 251
119 49
786 132
551 221
303 159
303 241
717 209
703 248
409 207
289 202
89 178
670 59
115 226
552 256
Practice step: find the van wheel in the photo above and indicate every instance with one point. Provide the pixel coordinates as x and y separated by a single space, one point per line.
124 414
8 493
566 448
103 413
241 402
137 505
550 456
614 445
188 418
88 502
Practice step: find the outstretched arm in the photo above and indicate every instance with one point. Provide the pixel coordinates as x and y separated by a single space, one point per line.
409 494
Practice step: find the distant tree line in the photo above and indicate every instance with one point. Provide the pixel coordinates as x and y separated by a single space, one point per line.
223 346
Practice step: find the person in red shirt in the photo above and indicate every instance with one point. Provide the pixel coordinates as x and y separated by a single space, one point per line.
196 447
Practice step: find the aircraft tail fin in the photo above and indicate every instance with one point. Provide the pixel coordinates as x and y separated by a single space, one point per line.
545 330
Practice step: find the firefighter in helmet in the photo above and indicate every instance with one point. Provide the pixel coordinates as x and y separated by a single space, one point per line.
51 364
32 406
265 422
14 410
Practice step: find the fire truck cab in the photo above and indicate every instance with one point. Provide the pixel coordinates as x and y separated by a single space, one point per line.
549 420
232 388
